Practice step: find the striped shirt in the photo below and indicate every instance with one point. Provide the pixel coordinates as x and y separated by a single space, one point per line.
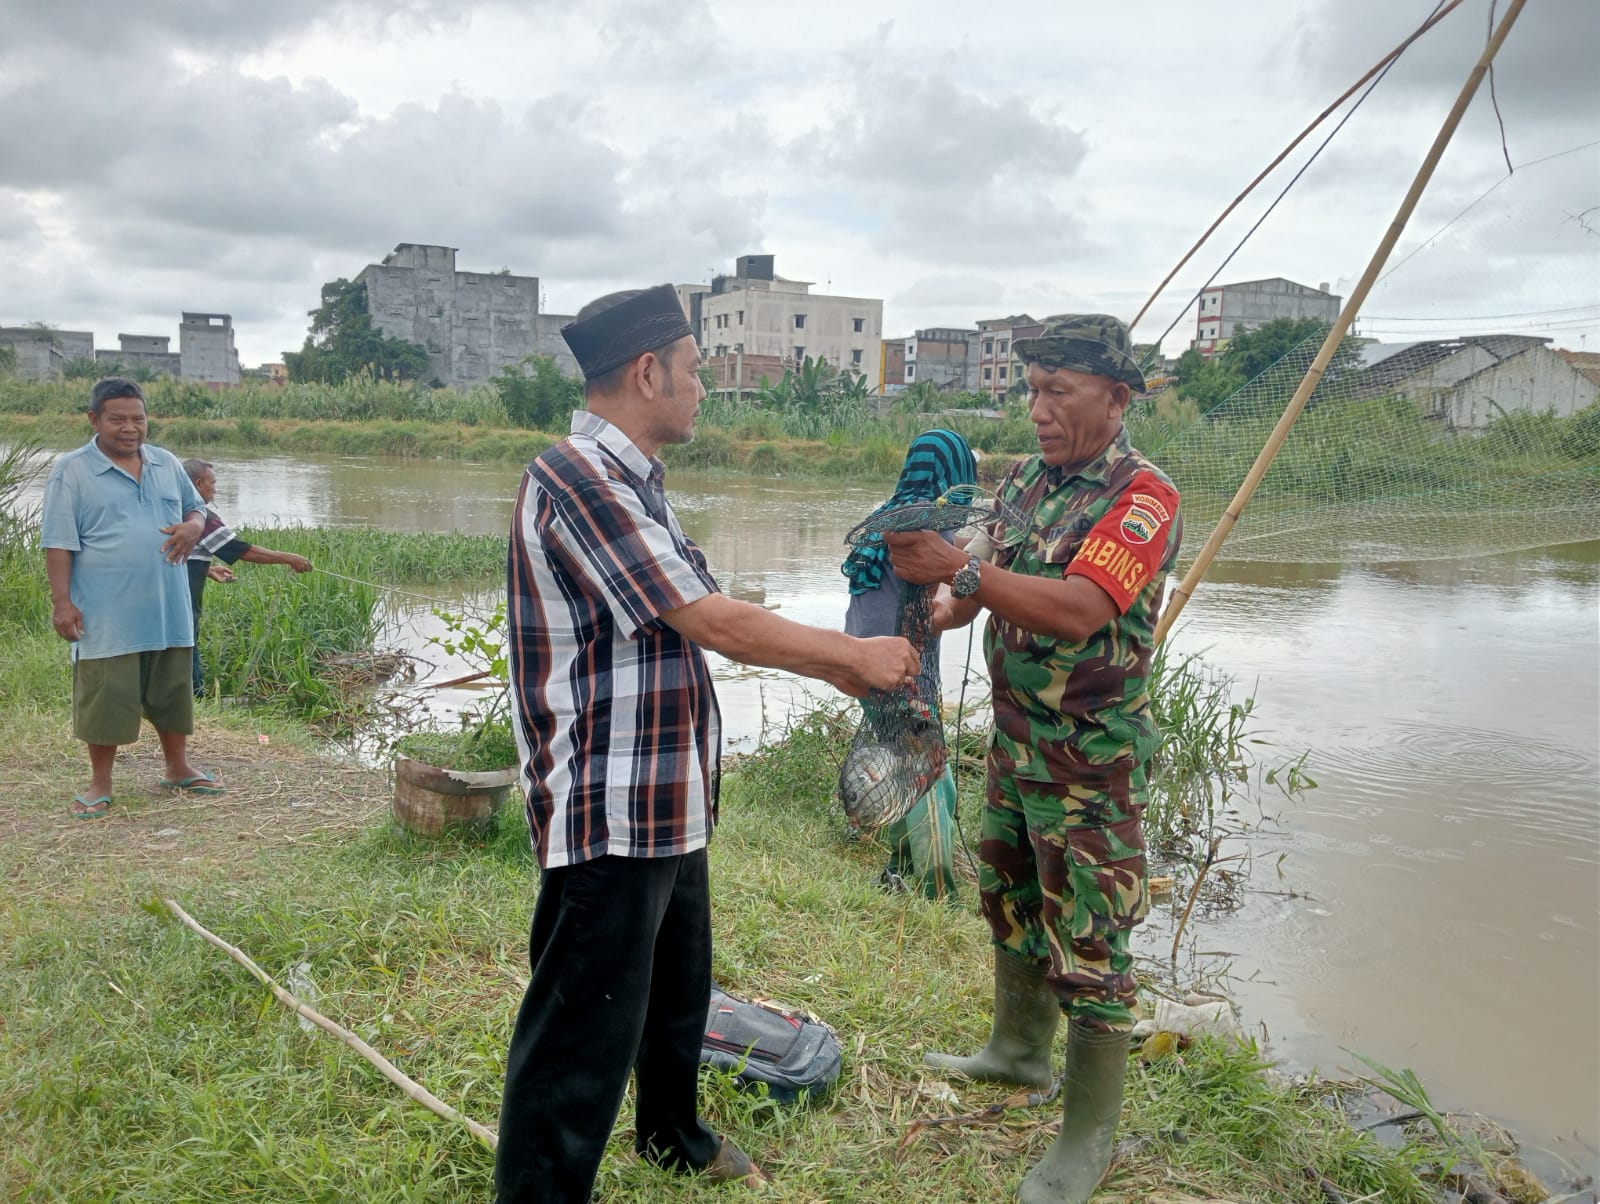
615 715
215 540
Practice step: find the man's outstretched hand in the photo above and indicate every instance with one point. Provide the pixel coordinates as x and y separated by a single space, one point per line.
885 662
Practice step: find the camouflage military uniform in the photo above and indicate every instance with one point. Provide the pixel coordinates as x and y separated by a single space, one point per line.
1063 877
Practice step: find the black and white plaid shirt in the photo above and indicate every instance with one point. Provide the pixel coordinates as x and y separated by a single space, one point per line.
614 711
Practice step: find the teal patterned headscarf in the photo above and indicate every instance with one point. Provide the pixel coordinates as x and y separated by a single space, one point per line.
936 462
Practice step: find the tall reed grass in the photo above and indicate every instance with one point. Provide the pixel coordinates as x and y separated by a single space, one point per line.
1344 452
360 399
270 637
285 639
24 596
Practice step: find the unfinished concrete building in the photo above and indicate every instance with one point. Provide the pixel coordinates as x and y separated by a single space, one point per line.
43 352
152 352
205 343
472 323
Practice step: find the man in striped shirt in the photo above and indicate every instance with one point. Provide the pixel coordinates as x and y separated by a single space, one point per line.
218 542
610 606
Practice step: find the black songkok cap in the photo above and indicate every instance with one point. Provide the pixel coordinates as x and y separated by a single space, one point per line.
638 321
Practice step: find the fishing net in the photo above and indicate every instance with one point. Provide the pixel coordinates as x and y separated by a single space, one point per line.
1440 449
1462 423
898 750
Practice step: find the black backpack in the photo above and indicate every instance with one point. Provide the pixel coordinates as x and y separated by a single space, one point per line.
792 1052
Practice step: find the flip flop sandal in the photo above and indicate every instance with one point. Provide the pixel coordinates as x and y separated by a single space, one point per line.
200 783
84 808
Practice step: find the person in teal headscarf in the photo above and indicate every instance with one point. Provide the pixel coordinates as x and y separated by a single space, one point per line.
922 845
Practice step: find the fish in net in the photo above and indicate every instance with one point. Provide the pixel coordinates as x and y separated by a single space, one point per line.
898 750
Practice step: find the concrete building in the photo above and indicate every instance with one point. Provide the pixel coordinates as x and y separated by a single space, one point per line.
756 312
1465 384
152 352
1586 362
997 366
205 341
1226 309
43 353
941 354
547 340
472 323
741 373
892 372
205 350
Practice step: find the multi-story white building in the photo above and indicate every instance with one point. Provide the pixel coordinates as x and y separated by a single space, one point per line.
1228 308
756 312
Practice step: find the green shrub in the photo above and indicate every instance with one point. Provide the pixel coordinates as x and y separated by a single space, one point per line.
470 750
1580 435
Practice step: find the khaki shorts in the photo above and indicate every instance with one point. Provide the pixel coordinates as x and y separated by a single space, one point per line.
110 693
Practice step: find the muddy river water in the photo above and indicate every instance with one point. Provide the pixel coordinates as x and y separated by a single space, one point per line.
1448 863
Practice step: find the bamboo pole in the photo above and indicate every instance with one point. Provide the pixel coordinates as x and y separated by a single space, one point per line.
1286 151
390 1071
1308 383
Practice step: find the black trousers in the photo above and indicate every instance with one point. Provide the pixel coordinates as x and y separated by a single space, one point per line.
620 953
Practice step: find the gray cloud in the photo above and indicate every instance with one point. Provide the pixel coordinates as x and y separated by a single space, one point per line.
627 142
1544 72
959 291
930 164
16 224
205 25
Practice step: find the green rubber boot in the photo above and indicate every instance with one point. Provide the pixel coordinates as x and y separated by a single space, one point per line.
1026 1013
1091 1106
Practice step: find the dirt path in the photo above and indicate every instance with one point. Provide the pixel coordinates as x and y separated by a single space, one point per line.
277 796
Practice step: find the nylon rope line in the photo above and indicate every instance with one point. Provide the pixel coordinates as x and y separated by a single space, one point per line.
1403 260
400 593
1441 10
1276 201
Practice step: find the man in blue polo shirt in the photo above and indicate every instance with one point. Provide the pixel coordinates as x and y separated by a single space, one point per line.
118 522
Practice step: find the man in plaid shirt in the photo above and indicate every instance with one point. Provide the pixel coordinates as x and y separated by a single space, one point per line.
610 607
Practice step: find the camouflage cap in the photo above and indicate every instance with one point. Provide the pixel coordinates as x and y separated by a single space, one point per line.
1094 343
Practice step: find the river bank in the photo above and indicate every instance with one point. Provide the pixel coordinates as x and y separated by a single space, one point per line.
877 457
1394 857
139 1064
136 1064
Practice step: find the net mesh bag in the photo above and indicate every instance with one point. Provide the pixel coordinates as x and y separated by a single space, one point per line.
898 750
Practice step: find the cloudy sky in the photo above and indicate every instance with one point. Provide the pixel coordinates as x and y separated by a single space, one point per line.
959 162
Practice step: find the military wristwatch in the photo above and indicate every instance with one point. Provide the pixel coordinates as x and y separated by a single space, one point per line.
965 582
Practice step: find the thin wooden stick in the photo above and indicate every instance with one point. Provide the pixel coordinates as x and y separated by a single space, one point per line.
1284 154
465 679
1313 376
410 1086
1194 893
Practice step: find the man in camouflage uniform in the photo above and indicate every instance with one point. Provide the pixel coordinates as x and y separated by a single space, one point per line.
1073 597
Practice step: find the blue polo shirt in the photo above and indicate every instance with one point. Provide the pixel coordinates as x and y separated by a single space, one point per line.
132 599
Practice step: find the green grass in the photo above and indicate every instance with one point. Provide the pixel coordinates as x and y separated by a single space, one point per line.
271 637
357 400
137 1063
471 750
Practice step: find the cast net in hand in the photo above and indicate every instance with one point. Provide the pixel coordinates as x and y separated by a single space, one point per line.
898 751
